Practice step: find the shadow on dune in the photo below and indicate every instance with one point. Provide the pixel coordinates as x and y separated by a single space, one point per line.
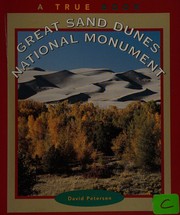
135 79
137 96
81 97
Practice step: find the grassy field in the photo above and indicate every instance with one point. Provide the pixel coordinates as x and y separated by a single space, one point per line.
126 182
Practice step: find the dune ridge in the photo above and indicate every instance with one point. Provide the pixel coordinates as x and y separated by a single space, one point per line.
101 86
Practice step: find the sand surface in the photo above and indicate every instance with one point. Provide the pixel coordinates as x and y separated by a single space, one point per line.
101 86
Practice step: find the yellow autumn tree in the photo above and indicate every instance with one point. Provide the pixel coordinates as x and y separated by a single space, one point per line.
119 144
37 135
84 150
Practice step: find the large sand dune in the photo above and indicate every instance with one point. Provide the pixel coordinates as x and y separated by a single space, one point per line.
103 87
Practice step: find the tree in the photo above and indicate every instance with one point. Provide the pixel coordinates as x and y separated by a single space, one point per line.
119 144
146 146
26 175
84 149
30 107
52 160
145 136
37 135
23 143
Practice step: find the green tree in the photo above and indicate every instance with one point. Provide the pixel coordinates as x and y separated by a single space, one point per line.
145 135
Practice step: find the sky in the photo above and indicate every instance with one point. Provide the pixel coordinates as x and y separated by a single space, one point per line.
88 55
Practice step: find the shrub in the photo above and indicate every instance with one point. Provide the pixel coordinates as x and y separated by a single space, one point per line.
99 172
52 161
26 176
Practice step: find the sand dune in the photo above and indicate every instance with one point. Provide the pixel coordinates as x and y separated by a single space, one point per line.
103 87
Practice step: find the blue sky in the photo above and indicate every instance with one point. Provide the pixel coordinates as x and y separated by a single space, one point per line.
89 55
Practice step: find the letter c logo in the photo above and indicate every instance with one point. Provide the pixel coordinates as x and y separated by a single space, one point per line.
164 206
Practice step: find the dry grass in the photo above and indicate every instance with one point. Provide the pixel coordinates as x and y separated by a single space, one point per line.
126 182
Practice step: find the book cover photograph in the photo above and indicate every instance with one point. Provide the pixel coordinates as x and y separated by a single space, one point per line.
90 107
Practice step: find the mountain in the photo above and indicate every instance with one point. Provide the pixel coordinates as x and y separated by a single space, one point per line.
103 87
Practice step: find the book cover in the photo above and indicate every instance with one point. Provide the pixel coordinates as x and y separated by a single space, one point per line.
89 114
